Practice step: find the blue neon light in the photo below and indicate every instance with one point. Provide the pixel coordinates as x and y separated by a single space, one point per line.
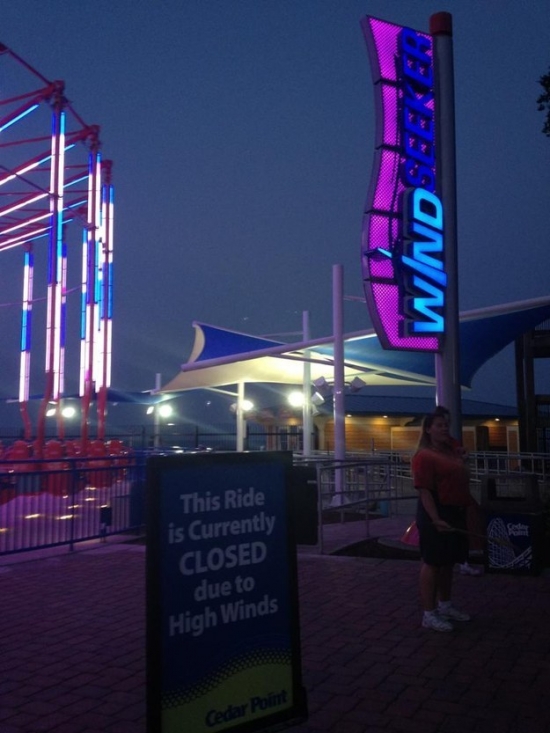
422 256
26 318
427 208
432 273
19 117
110 292
434 321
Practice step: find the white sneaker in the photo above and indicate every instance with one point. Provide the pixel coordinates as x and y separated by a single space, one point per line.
435 622
467 569
452 613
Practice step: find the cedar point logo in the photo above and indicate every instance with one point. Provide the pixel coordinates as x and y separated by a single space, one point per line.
403 229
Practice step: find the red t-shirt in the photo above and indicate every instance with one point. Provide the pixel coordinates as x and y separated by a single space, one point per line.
443 473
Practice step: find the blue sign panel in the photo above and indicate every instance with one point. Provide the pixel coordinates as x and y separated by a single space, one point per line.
222 627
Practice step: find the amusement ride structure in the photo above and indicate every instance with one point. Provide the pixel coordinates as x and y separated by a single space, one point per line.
56 194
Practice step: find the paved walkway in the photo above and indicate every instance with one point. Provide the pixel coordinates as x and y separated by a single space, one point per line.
72 646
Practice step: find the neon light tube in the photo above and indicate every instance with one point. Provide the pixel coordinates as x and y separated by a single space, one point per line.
21 204
57 251
25 223
73 181
24 238
19 117
26 327
29 167
63 319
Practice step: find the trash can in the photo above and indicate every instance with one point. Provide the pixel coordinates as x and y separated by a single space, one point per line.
514 522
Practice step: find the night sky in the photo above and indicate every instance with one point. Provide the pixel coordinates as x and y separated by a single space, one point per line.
242 136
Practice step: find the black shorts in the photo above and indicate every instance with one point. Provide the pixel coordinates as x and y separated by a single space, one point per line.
442 548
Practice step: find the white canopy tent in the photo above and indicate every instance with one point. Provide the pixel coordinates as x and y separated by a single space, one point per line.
222 358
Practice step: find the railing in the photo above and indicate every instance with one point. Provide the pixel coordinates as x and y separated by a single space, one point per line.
49 503
44 504
537 464
380 485
373 486
481 464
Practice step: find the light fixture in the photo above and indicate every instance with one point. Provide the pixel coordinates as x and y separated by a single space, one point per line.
317 399
68 411
246 406
322 386
165 410
357 384
296 399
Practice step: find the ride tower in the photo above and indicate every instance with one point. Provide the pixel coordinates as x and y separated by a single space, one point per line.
56 230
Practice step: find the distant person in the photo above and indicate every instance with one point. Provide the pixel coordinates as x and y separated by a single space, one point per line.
473 511
441 477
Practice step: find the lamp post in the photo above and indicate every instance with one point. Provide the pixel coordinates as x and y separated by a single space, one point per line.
295 400
241 408
306 391
162 410
339 383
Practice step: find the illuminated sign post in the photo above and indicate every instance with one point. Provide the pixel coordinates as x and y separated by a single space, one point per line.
403 251
409 244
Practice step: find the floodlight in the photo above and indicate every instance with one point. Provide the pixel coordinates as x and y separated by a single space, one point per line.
296 399
322 386
165 410
317 399
357 384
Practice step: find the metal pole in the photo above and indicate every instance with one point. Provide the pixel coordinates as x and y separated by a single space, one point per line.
156 416
339 384
306 415
240 417
447 363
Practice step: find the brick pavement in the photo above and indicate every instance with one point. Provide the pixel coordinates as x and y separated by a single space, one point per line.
72 648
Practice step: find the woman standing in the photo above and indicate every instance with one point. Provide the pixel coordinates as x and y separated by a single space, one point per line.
441 477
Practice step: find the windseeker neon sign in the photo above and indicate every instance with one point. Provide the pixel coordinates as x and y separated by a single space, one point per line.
402 252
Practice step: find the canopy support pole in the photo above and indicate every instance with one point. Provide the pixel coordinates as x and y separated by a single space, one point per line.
240 418
338 399
307 417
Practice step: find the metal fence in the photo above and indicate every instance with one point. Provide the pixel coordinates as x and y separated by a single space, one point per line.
373 486
360 490
44 504
187 437
47 503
